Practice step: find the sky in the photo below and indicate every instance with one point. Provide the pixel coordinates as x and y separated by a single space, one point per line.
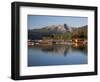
39 21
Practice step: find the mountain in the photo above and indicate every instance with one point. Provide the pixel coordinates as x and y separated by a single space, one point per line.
53 29
45 31
56 29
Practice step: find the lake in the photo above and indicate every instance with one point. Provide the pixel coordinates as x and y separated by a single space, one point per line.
49 55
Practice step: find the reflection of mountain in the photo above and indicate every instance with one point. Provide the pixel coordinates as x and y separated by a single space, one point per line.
57 50
60 49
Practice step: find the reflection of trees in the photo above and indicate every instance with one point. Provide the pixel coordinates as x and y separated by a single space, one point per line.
78 47
61 49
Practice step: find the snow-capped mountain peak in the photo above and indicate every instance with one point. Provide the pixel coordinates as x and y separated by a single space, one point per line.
58 28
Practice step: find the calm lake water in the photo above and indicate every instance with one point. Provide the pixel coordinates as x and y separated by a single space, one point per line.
57 55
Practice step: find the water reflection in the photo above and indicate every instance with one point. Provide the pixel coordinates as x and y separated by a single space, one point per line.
57 55
61 49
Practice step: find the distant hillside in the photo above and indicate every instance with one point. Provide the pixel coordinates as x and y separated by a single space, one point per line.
80 32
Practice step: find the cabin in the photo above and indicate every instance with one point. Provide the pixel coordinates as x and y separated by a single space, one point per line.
30 43
80 41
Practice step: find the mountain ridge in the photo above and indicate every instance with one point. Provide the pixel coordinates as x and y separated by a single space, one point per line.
55 29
